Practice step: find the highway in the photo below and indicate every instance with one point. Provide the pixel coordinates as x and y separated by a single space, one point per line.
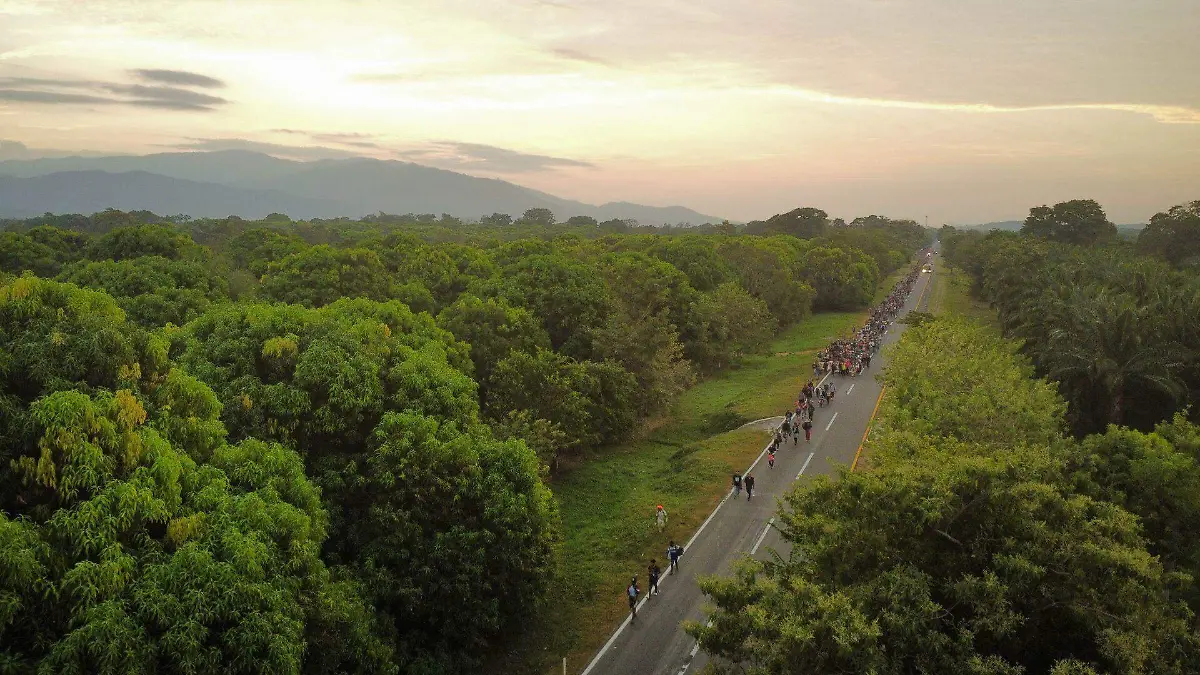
655 644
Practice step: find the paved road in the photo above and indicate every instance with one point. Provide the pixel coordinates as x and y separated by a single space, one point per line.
655 644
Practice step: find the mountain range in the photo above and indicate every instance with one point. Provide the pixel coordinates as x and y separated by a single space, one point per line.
252 185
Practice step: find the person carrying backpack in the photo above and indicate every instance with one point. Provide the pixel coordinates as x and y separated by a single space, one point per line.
674 553
807 430
632 592
653 573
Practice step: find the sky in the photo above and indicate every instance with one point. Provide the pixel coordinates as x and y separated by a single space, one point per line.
962 111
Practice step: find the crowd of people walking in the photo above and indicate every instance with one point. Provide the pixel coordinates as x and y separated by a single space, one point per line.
849 356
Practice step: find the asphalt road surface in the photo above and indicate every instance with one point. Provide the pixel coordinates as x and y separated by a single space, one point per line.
655 643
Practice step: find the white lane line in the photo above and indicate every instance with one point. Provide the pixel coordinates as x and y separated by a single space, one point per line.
756 461
613 639
692 655
850 390
831 419
803 468
762 536
625 624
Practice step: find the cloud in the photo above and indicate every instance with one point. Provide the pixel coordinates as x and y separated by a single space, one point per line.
352 139
59 91
299 152
170 98
538 60
487 158
581 57
52 97
1171 114
178 77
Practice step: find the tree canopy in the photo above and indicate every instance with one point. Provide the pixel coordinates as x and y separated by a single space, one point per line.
132 537
1079 221
967 546
322 446
1115 330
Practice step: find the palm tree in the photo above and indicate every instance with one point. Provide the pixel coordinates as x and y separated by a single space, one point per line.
1106 343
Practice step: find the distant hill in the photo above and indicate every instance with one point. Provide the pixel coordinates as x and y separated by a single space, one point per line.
1015 226
206 184
1006 225
92 191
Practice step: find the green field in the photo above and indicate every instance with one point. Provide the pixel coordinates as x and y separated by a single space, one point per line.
951 294
683 461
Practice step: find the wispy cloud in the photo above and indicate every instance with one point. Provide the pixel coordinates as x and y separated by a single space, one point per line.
576 55
170 98
65 91
487 158
179 77
352 139
300 152
50 97
1163 113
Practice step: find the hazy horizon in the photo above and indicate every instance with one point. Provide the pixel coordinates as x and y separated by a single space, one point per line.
966 112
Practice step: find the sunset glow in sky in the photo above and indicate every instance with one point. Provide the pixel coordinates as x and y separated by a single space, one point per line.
962 110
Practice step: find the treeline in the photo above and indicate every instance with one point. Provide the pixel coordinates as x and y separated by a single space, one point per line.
980 539
1115 323
621 322
226 446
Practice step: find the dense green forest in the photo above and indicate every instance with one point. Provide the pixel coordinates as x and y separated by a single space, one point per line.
1032 501
1115 323
323 446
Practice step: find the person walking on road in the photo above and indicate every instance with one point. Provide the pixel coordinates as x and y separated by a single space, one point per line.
674 553
737 485
632 591
807 430
653 573
749 486
771 457
661 518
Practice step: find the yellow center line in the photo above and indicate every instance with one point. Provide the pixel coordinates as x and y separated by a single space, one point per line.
879 400
868 429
